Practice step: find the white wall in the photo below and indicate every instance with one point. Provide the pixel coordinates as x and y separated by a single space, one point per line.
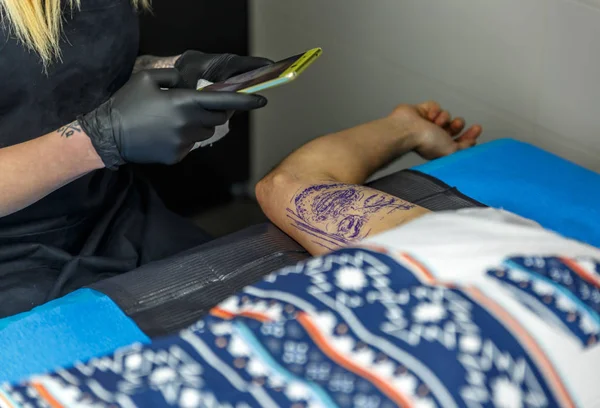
526 69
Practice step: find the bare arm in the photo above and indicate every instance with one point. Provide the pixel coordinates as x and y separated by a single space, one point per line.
32 170
315 195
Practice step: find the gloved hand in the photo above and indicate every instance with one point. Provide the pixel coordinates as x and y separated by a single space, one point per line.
195 65
143 124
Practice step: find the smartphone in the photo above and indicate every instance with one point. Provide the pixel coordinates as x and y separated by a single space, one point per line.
273 75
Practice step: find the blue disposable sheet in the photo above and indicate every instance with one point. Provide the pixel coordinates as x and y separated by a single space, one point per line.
528 181
79 326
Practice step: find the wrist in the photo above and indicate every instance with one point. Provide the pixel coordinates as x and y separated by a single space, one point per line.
76 143
91 160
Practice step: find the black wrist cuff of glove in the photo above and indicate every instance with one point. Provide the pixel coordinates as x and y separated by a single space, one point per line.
183 58
99 128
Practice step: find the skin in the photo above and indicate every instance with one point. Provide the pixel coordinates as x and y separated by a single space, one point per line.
316 194
32 170
339 214
28 174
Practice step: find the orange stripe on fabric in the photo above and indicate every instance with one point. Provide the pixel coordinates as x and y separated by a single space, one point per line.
320 340
256 316
429 278
556 384
5 403
225 315
46 396
594 280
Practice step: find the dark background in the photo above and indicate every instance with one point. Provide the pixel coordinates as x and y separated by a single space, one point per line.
204 179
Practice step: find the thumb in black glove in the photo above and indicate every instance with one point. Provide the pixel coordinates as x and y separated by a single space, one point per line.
142 123
195 65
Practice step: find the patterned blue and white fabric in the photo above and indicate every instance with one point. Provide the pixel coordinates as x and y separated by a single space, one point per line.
392 323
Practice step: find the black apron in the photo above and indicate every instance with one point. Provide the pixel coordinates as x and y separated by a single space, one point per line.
105 223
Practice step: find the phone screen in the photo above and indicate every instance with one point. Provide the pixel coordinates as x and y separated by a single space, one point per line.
258 76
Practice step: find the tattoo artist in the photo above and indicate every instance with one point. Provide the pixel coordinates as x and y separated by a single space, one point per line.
72 116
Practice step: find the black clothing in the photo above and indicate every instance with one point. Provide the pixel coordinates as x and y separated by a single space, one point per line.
105 223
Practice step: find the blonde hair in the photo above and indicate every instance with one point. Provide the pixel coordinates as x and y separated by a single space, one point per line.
38 23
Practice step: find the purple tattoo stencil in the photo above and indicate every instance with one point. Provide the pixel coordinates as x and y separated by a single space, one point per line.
336 214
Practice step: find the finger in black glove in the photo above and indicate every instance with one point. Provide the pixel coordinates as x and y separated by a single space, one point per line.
195 65
143 123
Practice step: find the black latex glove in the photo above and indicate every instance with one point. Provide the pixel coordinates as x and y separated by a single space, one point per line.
195 65
143 124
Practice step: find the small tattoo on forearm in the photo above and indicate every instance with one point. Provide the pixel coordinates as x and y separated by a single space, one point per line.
337 214
70 129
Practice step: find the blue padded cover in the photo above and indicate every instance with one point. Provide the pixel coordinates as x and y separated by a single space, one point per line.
79 326
528 181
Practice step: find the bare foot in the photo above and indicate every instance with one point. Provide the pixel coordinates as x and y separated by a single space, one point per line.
436 132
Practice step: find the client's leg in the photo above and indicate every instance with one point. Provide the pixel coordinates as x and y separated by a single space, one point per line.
315 195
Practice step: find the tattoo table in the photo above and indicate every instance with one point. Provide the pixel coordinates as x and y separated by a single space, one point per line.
169 295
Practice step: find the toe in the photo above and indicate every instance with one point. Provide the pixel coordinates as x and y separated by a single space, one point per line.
443 119
456 126
430 110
